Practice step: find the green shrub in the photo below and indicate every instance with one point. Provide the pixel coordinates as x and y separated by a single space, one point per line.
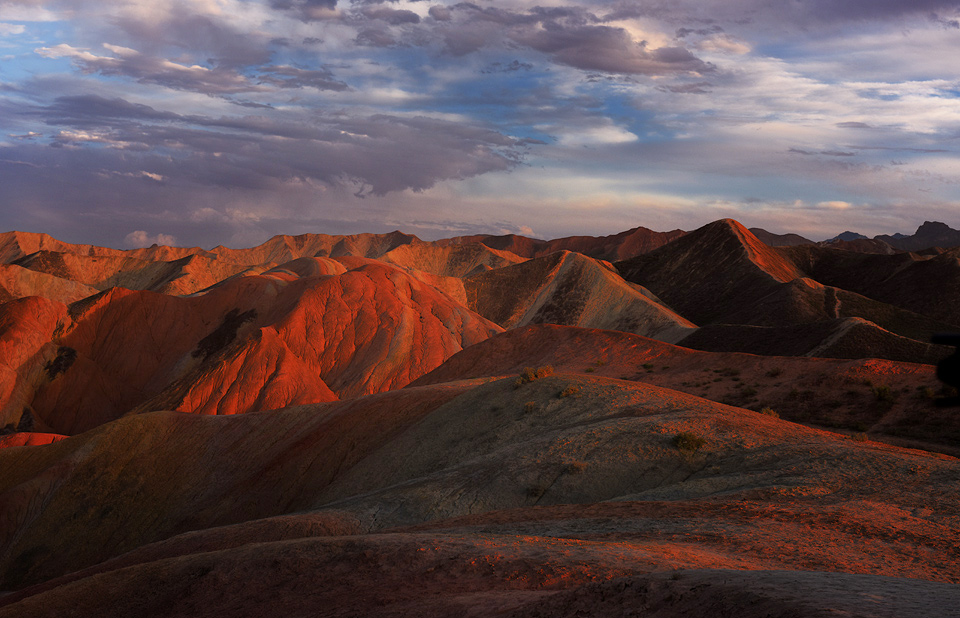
687 441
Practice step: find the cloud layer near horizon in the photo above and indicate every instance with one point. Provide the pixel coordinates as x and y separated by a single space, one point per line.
227 121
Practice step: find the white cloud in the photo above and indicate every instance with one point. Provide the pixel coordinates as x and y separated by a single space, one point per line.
140 239
835 205
10 29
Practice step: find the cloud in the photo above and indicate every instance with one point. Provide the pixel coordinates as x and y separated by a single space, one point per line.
11 29
140 239
602 48
568 35
394 17
440 13
381 153
835 205
293 77
146 69
307 10
272 113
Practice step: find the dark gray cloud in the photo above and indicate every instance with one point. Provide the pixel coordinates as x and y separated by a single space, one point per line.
691 88
384 153
216 81
375 37
394 17
206 37
440 13
571 35
612 50
293 77
825 153
306 10
509 67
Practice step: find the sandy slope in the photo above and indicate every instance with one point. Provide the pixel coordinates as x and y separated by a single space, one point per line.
571 504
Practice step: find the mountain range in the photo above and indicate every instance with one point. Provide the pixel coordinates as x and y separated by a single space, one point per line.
656 422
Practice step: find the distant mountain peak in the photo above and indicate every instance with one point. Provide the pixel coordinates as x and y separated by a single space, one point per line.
934 227
848 236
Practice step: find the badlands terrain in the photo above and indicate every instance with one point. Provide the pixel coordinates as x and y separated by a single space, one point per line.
721 422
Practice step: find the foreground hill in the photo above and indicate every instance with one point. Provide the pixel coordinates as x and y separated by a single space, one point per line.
480 496
890 400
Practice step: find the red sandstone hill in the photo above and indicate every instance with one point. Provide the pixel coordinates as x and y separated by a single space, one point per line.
571 289
253 343
711 272
186 275
722 274
18 282
925 284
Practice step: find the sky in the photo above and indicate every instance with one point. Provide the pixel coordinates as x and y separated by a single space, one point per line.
204 122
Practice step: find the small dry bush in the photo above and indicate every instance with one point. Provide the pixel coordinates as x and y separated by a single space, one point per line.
688 441
531 406
529 374
570 391
769 412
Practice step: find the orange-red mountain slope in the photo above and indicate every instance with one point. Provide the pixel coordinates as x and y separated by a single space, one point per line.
19 282
253 343
182 276
27 328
